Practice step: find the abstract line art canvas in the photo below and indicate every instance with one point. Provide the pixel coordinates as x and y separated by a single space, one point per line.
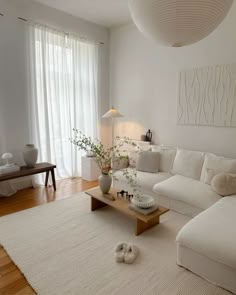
207 96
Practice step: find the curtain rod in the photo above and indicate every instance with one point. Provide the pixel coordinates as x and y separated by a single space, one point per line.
66 33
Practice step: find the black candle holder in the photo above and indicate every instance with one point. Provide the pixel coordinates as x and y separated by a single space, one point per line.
125 195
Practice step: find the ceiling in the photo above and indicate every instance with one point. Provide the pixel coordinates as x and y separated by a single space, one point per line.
109 13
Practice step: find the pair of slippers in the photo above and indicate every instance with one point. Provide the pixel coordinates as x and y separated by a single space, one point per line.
126 253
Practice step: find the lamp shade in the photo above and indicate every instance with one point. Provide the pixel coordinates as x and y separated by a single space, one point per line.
112 113
178 23
7 156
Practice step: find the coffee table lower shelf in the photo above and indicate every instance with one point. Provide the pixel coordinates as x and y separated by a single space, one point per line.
143 222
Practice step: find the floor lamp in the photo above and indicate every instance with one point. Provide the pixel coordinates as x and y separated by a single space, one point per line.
112 114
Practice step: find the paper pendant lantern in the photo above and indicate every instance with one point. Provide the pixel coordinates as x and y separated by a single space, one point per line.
178 22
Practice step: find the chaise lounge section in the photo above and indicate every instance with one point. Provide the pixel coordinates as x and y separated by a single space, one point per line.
206 245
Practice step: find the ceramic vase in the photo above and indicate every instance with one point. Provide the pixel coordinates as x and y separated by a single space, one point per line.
30 154
105 181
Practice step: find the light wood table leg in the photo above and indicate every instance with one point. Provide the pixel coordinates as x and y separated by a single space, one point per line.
96 204
142 226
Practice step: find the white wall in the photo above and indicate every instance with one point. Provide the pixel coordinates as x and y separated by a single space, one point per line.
144 83
14 133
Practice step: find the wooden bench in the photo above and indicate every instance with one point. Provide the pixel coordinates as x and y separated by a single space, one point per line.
26 171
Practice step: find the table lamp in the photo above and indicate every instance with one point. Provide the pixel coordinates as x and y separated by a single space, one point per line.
6 157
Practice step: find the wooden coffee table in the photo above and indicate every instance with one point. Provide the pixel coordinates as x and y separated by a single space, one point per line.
143 222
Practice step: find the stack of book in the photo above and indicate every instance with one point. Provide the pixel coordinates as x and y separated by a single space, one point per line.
9 168
144 211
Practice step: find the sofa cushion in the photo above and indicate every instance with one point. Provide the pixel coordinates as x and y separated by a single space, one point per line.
224 184
144 179
188 163
133 158
148 162
219 164
167 156
121 162
212 233
187 190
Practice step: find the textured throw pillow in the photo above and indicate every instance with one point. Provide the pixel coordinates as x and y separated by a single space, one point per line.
167 156
188 163
119 163
224 184
134 154
133 158
148 162
217 163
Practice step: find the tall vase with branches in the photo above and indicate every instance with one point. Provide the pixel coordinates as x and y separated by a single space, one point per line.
104 156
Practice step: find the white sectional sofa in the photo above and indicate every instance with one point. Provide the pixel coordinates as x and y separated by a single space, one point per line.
207 244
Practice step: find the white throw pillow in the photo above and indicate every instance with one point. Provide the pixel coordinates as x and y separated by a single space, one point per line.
224 184
133 158
134 154
167 156
148 162
219 164
119 163
188 163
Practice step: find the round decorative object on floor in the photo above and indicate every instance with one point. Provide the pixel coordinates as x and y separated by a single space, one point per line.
30 154
105 181
143 201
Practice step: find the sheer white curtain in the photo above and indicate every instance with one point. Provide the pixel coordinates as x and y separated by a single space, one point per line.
63 82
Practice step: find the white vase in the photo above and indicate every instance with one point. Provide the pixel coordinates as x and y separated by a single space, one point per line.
30 154
105 181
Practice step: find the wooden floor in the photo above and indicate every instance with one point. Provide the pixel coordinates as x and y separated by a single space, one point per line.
11 279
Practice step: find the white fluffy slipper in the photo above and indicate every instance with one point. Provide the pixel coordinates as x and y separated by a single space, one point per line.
131 254
120 251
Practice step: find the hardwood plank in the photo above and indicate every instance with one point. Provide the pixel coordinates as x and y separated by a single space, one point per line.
12 280
9 278
5 269
15 287
25 291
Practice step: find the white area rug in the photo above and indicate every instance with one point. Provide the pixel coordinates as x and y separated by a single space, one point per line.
63 248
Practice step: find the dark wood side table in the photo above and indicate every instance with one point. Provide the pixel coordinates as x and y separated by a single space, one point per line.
26 171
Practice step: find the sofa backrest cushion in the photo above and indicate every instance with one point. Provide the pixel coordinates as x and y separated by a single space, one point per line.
188 163
167 156
134 152
148 162
133 158
217 164
119 163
